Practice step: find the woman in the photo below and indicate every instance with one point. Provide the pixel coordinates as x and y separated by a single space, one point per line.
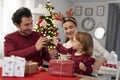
69 26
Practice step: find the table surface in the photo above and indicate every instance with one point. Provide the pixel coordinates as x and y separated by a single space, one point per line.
38 76
46 76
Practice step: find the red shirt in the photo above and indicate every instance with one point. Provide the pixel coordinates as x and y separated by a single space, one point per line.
87 60
24 46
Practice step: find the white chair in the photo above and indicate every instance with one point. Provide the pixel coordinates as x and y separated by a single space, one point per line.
110 72
118 74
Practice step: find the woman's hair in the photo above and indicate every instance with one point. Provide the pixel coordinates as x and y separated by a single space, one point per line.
86 40
69 19
20 13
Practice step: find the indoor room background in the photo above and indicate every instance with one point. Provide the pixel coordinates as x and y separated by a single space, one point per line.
103 13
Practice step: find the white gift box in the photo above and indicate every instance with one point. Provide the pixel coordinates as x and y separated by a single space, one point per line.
19 67
8 66
13 66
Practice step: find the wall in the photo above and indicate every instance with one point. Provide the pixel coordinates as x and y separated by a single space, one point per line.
98 19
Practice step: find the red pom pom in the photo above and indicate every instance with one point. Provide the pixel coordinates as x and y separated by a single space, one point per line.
40 20
57 18
56 34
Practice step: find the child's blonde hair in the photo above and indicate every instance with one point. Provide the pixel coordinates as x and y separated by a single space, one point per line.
86 40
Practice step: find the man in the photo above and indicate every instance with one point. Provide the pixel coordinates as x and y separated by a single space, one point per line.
25 42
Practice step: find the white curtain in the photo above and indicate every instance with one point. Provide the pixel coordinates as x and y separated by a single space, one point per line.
1 32
7 8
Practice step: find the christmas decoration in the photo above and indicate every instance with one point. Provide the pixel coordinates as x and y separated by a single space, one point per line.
47 25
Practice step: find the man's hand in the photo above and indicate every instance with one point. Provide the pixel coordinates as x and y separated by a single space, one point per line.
53 53
42 41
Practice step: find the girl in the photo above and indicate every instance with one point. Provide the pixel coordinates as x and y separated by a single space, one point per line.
81 51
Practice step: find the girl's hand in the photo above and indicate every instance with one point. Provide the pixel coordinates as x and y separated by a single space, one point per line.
82 66
55 40
68 56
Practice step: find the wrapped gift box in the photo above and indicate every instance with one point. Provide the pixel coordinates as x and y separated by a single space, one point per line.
61 67
8 66
19 67
13 66
31 67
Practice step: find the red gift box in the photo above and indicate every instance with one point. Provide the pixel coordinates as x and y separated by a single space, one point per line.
61 67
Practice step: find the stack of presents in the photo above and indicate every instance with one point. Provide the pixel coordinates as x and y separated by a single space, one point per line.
18 67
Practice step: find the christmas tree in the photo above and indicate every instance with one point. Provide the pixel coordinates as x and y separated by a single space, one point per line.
47 25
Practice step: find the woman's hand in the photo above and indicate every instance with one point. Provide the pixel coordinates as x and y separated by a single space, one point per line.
98 63
82 66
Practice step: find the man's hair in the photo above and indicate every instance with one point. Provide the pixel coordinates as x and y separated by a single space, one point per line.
20 13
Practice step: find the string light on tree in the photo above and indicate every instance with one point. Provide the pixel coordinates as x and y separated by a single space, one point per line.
47 25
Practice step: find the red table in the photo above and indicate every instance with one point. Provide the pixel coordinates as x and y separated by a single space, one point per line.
38 76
